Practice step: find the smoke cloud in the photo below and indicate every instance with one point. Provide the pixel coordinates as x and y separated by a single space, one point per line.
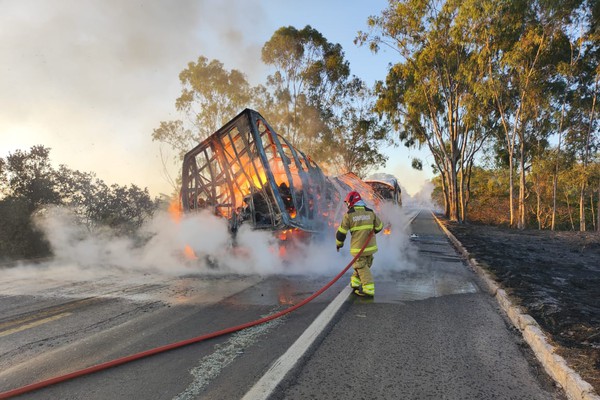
423 199
87 77
395 250
159 249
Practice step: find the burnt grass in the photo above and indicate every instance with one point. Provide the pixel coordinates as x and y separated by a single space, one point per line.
554 276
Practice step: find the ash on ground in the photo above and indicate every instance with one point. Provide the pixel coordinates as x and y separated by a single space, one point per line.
555 276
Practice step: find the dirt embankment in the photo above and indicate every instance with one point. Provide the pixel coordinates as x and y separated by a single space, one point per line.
555 276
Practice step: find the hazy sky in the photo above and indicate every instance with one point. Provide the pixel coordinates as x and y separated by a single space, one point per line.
91 79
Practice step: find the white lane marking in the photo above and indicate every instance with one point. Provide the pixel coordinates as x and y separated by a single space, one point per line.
267 384
211 366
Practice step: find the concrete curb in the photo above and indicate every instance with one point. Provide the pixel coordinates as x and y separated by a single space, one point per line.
574 386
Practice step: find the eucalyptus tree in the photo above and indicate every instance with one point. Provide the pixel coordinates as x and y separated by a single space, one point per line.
494 27
429 94
541 178
572 84
591 13
308 83
521 43
210 96
358 133
582 136
566 76
580 77
595 178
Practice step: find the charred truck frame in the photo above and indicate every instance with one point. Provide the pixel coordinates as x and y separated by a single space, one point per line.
247 173
387 188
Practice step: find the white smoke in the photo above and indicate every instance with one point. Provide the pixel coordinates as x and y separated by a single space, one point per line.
255 252
422 199
81 253
395 249
317 257
163 250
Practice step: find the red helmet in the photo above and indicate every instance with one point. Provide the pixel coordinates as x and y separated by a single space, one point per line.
352 198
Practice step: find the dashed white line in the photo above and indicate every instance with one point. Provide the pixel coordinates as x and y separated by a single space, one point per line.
267 384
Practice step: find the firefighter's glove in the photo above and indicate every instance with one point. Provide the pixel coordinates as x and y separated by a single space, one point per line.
338 248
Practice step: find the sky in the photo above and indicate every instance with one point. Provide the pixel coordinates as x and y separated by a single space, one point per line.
91 79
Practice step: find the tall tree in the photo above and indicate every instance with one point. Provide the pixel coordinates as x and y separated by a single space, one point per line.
210 96
566 77
309 80
305 99
582 138
428 95
357 134
582 75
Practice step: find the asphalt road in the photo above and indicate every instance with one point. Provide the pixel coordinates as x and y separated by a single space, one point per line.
430 333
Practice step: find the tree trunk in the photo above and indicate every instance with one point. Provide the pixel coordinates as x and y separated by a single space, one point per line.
554 186
522 222
592 210
454 201
569 211
511 186
556 165
462 199
538 210
446 201
445 193
582 207
467 193
586 156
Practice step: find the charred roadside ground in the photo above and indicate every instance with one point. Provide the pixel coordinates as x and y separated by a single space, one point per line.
553 276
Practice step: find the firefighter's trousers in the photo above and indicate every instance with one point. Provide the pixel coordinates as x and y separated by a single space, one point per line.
362 274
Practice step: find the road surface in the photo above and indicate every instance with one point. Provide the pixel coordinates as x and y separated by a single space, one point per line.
430 333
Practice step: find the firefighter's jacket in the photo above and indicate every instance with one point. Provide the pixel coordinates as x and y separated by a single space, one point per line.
360 221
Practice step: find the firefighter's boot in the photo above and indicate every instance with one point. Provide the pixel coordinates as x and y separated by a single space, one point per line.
354 281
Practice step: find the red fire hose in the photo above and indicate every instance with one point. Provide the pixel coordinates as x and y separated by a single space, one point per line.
113 363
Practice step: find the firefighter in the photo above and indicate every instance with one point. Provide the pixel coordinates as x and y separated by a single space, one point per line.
360 221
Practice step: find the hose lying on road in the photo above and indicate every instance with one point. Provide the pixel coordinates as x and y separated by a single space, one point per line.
119 361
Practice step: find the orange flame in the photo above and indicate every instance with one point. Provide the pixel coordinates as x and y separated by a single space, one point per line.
189 253
282 251
175 209
285 294
283 235
176 212
285 299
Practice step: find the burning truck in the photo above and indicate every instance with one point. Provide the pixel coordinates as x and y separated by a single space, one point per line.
387 187
248 174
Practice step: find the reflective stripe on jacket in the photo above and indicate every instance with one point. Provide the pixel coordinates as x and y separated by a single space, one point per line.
359 221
